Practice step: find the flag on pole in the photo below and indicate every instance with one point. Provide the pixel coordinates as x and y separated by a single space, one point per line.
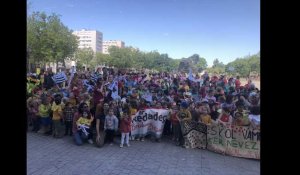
147 97
191 77
95 77
59 77
89 85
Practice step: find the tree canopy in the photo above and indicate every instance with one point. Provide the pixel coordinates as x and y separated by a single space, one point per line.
245 66
84 57
48 39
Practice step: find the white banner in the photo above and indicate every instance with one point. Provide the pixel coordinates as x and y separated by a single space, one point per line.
149 121
239 141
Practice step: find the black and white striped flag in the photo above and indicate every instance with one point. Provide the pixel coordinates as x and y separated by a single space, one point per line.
88 85
59 77
95 77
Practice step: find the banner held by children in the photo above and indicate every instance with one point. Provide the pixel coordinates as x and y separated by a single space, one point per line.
239 141
194 134
149 121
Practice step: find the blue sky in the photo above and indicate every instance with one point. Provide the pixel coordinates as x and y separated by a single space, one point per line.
223 29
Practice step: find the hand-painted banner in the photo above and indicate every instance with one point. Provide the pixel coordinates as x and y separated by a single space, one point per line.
239 141
149 121
194 134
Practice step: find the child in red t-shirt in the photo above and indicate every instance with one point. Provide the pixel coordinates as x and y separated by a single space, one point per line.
125 128
225 117
175 123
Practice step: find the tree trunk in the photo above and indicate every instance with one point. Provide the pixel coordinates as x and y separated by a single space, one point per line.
64 63
28 65
57 66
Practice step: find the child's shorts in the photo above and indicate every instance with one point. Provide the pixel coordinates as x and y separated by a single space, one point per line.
45 120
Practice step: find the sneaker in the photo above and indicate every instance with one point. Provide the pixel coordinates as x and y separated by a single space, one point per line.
142 139
121 145
128 145
111 144
90 141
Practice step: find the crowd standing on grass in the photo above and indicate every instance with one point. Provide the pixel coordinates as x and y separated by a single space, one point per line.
94 107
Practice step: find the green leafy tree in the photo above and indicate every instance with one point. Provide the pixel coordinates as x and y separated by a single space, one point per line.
244 66
48 39
217 68
151 60
84 56
121 57
63 42
202 64
101 59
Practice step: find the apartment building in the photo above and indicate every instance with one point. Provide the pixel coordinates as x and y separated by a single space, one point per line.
107 44
90 38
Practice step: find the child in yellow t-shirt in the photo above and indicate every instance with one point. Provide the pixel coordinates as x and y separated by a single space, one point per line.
84 123
57 118
44 113
205 117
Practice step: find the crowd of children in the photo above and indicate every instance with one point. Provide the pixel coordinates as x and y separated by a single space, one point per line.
104 101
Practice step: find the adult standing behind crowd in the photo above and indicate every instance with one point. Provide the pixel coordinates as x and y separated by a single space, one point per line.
48 81
101 111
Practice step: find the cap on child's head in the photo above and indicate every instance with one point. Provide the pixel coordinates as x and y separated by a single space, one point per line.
239 103
184 104
187 93
253 94
204 100
56 95
226 109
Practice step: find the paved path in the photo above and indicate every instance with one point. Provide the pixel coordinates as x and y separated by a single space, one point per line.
47 155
